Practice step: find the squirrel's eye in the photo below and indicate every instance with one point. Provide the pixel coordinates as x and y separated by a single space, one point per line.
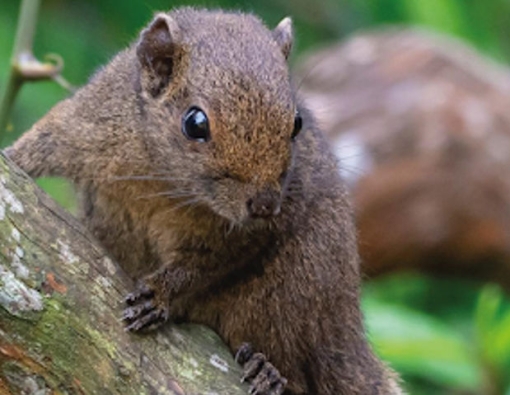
195 125
298 125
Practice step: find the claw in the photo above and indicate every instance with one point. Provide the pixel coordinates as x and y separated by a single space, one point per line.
146 310
132 312
244 353
264 378
143 292
253 367
151 320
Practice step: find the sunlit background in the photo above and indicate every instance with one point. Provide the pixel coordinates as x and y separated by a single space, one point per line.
446 331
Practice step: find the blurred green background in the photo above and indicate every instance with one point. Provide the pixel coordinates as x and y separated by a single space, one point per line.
444 336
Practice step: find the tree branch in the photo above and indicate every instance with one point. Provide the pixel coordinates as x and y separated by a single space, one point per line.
60 303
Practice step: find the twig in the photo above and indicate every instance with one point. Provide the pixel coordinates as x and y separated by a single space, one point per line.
24 66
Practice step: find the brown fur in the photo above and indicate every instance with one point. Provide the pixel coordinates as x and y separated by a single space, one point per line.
288 284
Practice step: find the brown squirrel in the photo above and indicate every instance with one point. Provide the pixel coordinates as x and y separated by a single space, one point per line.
204 176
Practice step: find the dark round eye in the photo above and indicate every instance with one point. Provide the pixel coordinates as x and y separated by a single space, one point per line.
298 125
195 125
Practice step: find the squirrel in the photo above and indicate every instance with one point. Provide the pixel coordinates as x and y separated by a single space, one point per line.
203 174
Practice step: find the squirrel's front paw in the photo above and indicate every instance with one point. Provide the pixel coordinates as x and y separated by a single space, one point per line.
264 378
146 309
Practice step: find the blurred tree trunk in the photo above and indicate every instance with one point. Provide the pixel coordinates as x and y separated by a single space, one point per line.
60 303
421 126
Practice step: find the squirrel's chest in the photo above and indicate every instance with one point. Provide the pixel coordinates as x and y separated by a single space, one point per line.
142 236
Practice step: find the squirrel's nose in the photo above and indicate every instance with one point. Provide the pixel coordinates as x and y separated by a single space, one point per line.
264 204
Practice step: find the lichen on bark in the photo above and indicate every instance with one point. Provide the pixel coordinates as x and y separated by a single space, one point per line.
60 303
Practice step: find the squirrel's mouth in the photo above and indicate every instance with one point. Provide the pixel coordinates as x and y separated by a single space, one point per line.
244 205
242 218
248 224
264 204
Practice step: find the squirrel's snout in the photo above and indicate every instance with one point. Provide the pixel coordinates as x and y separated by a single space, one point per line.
264 204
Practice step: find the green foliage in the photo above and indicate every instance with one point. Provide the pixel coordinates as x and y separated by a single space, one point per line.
443 15
423 346
445 336
62 191
438 353
492 322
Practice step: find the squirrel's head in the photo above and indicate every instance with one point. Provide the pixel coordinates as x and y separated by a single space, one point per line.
220 111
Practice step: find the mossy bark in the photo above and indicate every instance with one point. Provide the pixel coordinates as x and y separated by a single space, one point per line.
60 303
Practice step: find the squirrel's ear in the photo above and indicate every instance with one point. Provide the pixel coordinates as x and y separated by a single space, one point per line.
283 36
158 51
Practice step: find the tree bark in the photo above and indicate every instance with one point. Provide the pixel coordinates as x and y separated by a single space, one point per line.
421 127
60 302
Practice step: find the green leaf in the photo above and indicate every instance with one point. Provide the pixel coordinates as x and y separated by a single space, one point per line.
443 15
419 345
61 190
492 322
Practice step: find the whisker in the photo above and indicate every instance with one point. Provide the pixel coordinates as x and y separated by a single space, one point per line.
137 177
112 179
231 227
354 170
147 178
307 75
189 202
168 194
